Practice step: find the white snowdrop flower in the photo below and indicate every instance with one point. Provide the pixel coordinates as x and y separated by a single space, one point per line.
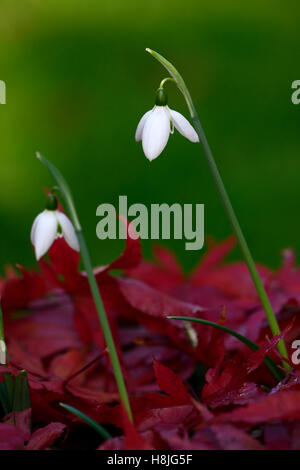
49 225
156 125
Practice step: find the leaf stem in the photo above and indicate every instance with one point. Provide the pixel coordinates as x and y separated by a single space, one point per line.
272 366
92 282
226 202
88 420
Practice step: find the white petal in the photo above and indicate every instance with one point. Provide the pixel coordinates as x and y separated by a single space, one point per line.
44 234
156 132
140 127
68 230
34 227
183 126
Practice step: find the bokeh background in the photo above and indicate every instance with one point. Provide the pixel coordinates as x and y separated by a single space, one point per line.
78 80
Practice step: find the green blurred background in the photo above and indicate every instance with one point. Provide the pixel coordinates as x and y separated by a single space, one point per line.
78 80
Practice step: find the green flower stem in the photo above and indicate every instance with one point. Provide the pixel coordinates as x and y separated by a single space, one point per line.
272 366
104 323
63 186
165 80
226 201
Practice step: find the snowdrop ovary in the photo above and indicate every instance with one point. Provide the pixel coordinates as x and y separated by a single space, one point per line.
50 224
156 125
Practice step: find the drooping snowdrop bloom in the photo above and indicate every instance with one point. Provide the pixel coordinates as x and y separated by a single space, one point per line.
49 225
157 124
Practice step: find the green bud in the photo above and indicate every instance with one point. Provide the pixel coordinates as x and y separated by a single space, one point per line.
51 204
161 97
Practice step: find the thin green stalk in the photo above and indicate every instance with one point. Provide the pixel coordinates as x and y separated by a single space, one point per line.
272 366
226 202
64 188
88 420
104 323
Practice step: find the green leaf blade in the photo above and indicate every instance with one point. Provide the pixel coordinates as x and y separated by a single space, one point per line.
21 396
268 361
88 420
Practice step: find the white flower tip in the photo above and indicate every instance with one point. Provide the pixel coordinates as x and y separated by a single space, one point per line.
183 126
150 158
41 248
2 352
151 152
76 246
38 254
68 231
195 138
149 50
